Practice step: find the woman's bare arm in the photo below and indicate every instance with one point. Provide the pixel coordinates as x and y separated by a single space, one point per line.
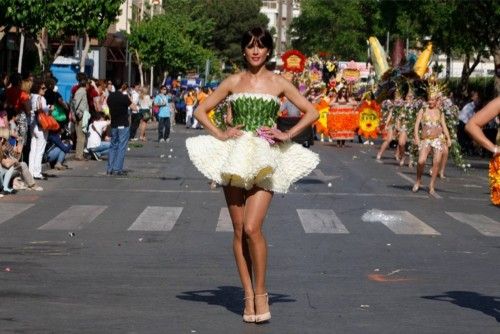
417 126
310 113
480 119
201 112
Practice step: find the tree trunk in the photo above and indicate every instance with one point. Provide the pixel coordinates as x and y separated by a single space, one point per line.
21 53
496 58
467 70
58 52
448 65
139 63
85 52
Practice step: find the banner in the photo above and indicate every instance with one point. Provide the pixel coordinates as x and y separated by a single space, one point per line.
342 122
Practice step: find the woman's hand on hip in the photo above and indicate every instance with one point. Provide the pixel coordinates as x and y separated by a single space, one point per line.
276 133
231 132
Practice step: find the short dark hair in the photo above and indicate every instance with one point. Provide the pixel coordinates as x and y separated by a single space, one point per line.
259 36
37 84
80 76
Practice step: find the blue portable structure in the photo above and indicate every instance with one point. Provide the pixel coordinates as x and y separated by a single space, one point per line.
65 70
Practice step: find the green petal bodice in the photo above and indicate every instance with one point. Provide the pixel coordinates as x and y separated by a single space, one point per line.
254 110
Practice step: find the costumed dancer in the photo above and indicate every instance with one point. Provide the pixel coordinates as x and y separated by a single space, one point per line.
435 137
402 126
474 128
252 159
387 110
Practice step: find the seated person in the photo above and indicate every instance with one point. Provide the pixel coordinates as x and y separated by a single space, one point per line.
56 150
10 165
97 129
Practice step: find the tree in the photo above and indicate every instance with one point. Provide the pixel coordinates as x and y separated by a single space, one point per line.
231 19
337 27
88 18
28 16
166 41
58 19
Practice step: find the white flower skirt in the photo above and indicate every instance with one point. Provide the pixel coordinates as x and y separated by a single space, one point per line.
249 161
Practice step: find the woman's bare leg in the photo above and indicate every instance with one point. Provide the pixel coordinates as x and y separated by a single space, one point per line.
235 199
142 130
256 206
436 163
385 144
422 158
444 160
402 147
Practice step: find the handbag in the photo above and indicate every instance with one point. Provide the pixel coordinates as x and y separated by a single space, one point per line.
156 109
59 113
47 122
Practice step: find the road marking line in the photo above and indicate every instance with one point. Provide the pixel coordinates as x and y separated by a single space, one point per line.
409 179
484 225
156 218
10 210
74 218
399 222
224 223
321 221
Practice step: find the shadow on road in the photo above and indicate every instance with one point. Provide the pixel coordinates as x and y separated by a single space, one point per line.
489 305
230 297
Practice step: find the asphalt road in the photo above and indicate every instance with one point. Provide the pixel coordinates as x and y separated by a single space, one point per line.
351 250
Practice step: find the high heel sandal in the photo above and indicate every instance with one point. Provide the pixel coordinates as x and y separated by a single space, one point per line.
249 317
259 318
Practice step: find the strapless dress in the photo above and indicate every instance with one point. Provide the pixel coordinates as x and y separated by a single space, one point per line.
250 160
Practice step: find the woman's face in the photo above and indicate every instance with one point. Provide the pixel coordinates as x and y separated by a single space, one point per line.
42 90
255 54
432 102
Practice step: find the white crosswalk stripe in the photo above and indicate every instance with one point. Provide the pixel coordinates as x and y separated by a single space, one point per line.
313 221
321 221
74 218
224 223
399 222
10 210
156 218
484 225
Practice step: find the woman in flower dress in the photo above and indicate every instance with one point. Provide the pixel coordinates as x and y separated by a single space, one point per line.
252 159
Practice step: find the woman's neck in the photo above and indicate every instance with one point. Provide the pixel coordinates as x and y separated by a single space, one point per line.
256 71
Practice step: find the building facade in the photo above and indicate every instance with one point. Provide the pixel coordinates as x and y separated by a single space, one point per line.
280 14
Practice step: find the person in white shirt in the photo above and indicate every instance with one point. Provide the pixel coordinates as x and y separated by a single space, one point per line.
95 145
38 135
134 111
144 105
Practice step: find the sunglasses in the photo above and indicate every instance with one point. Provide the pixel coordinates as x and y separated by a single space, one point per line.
43 87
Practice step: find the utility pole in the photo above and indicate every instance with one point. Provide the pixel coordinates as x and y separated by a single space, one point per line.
151 81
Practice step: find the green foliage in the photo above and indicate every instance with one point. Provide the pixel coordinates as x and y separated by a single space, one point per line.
170 42
29 15
231 19
76 17
337 27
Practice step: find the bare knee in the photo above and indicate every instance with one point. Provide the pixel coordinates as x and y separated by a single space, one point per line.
252 230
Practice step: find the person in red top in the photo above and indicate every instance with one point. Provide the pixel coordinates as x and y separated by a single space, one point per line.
15 98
